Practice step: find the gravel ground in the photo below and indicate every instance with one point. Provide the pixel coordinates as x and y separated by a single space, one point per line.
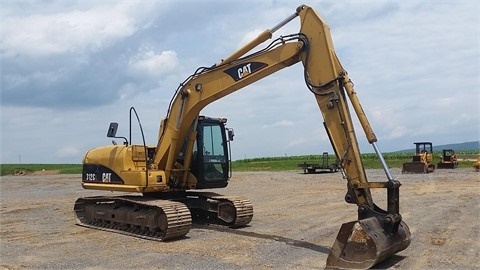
296 219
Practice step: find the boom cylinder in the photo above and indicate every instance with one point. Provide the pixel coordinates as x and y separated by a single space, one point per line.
262 37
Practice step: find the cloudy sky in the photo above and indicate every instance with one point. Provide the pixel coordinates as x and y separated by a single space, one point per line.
69 68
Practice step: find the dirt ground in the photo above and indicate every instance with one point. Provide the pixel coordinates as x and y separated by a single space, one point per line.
296 219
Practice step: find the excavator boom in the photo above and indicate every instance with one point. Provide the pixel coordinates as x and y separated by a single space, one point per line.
169 167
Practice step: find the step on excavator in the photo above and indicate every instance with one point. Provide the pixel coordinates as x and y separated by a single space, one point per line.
422 159
164 182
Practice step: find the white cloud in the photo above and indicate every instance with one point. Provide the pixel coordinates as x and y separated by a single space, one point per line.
66 32
296 142
281 123
39 78
74 54
150 64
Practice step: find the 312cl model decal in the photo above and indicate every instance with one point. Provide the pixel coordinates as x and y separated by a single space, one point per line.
99 174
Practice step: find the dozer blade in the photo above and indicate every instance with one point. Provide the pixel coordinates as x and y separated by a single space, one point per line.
414 167
364 243
441 165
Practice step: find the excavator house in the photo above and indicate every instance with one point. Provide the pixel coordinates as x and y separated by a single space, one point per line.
165 182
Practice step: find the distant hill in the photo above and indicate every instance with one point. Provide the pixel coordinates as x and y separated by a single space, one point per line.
459 146
475 145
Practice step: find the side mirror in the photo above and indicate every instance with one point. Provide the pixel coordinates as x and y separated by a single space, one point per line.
112 133
230 133
112 130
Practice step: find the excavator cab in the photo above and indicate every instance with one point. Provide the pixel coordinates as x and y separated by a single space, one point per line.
211 153
421 160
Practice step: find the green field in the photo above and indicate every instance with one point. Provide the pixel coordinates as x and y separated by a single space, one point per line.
370 161
6 169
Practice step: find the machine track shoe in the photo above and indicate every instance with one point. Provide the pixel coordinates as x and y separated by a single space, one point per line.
137 216
213 208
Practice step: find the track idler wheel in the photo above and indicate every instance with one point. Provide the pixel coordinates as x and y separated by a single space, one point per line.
364 243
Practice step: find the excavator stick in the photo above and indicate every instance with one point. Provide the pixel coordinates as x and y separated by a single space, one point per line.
363 243
414 167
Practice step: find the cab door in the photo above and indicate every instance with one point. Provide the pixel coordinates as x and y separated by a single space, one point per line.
211 162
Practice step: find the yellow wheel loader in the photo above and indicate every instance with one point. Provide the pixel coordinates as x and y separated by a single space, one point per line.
192 153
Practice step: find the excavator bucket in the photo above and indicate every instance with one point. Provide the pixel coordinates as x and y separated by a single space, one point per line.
414 167
363 243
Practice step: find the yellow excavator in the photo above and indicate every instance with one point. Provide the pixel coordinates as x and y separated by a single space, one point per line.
192 154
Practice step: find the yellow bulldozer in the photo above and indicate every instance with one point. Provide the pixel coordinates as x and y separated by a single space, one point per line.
422 160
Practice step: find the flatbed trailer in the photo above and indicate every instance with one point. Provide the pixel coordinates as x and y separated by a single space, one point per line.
325 167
